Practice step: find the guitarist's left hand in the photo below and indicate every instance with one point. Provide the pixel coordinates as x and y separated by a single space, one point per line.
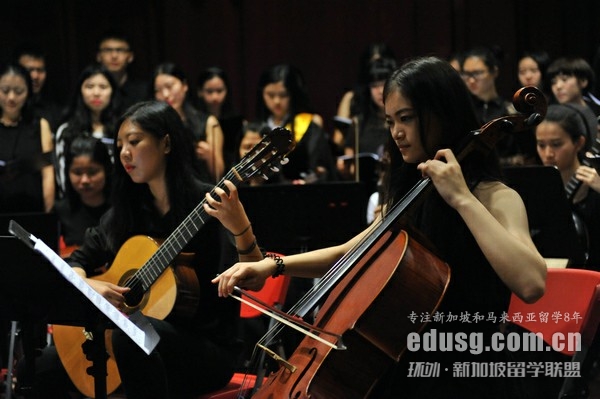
229 210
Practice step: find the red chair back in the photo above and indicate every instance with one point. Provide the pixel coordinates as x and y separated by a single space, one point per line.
569 305
273 293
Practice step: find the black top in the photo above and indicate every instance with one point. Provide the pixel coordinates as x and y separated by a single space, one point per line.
49 110
20 184
589 211
131 92
74 222
473 304
372 135
311 151
214 250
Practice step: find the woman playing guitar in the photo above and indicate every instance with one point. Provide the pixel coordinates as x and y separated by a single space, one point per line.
155 189
561 142
475 223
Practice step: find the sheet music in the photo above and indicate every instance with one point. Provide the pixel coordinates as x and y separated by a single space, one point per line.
143 334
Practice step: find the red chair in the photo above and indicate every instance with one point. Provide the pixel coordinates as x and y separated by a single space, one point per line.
572 292
273 293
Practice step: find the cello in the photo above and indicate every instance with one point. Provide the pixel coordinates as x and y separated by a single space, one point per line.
360 291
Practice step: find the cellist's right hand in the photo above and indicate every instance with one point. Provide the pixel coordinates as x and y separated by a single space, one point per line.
245 275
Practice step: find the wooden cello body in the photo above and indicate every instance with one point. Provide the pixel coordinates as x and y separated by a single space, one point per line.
390 276
402 278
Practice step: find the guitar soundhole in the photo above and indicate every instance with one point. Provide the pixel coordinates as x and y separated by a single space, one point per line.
135 297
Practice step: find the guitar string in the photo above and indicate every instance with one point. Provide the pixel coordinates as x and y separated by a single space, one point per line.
140 276
344 263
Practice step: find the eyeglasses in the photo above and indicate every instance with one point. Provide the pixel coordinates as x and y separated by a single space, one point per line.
118 50
478 74
36 69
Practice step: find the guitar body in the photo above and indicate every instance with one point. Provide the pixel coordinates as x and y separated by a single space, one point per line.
175 290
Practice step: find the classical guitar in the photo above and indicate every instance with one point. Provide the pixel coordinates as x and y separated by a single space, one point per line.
146 266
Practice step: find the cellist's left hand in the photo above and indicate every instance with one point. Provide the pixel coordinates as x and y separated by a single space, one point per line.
446 174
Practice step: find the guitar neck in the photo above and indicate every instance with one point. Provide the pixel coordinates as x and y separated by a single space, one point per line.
179 238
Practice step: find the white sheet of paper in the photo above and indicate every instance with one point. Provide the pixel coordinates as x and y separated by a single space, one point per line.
146 337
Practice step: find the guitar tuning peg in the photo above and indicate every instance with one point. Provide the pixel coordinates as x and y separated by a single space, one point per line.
265 176
274 169
284 161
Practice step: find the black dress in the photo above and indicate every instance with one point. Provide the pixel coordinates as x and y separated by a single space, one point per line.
196 354
473 305
75 220
20 182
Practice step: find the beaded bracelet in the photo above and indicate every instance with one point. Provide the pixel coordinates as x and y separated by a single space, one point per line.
243 231
280 265
249 250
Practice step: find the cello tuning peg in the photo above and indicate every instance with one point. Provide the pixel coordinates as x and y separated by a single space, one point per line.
284 161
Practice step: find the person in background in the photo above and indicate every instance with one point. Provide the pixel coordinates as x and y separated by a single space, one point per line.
596 68
87 194
571 80
531 70
480 70
171 86
368 133
561 142
115 53
26 170
252 135
215 98
93 112
33 59
282 101
456 60
348 106
490 251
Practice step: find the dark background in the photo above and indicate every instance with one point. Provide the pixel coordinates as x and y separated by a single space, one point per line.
322 37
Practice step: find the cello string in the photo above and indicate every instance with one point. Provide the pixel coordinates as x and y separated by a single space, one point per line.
333 274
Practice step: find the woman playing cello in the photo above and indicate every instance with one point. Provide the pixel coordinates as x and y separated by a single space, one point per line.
475 223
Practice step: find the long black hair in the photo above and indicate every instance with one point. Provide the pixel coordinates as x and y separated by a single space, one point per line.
227 108
294 83
445 113
79 115
158 119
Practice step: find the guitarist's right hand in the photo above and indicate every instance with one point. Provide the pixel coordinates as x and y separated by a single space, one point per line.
111 292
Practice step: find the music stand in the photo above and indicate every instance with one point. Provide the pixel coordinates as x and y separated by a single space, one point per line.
66 299
550 220
368 168
31 292
43 225
290 218
46 226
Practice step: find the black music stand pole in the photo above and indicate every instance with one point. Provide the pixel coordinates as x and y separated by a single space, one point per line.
95 351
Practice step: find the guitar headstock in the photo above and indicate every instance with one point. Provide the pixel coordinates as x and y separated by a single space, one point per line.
266 155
